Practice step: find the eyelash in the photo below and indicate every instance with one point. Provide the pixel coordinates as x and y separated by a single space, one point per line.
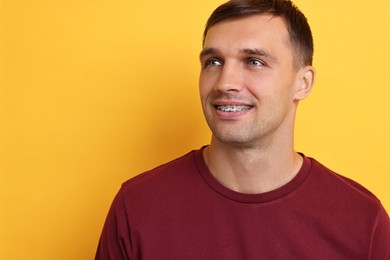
209 61
250 60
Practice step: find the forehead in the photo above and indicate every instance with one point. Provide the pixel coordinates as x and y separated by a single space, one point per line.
260 30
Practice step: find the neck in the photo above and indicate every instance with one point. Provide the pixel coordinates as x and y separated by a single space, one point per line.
252 169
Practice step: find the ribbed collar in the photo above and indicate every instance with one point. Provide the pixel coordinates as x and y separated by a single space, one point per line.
251 198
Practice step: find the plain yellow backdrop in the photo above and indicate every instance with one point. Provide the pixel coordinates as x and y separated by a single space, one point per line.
95 92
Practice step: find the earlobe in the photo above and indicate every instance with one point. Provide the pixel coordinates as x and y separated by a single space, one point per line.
306 79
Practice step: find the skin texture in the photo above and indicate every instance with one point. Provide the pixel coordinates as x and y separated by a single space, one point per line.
248 67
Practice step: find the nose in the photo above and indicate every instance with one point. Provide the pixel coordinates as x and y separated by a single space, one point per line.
230 78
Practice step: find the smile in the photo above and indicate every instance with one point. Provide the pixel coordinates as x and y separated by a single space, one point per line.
233 108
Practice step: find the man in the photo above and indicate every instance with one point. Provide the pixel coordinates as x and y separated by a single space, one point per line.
248 195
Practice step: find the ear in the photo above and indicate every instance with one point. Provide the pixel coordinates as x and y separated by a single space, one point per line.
305 81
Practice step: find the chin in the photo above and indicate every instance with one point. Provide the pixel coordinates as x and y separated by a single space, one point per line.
236 139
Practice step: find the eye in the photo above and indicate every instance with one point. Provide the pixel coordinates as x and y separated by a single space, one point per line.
212 63
255 62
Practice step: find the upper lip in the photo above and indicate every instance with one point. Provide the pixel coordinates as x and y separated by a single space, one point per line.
230 103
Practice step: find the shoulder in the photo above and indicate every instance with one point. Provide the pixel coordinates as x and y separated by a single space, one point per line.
341 188
164 180
164 171
340 198
350 207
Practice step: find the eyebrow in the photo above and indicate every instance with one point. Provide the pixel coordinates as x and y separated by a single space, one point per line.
249 51
259 52
208 51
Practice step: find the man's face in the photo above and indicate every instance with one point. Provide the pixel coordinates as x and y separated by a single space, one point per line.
247 81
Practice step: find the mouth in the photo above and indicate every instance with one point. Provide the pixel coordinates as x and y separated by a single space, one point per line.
232 108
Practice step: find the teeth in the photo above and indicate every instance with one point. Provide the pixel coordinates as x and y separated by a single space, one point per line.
233 108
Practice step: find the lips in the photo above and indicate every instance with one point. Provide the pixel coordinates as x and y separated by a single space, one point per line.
232 108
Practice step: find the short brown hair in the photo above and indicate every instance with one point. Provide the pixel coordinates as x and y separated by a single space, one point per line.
297 26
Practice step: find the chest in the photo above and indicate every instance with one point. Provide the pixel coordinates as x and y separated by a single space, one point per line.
215 230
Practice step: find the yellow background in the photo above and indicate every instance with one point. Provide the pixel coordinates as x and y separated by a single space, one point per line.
94 92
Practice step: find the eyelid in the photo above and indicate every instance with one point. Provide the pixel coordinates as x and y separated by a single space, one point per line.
209 60
249 60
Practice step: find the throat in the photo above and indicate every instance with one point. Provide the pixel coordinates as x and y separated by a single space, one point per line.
251 175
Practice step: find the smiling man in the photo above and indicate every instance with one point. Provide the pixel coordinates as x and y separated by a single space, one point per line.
249 194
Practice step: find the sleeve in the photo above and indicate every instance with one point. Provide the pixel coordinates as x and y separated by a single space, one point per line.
115 242
380 243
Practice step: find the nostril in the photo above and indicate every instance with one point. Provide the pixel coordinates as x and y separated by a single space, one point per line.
228 87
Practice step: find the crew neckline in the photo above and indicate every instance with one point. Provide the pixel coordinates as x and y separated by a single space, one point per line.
278 193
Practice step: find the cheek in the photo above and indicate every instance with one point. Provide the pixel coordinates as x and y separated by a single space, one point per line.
205 86
202 90
203 95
